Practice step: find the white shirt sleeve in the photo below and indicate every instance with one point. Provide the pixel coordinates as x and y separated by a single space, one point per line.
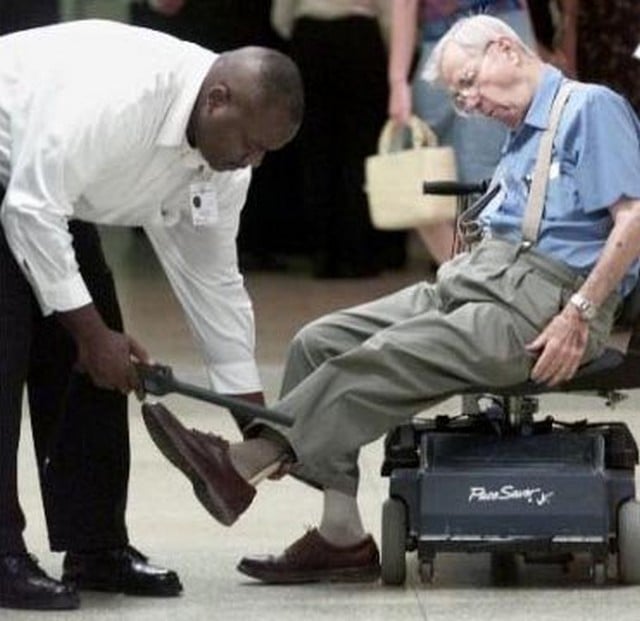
201 264
58 148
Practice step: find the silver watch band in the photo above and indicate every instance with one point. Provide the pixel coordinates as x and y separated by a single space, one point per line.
587 309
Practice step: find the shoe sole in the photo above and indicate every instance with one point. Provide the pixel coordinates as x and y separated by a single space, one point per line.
170 590
346 574
211 501
68 603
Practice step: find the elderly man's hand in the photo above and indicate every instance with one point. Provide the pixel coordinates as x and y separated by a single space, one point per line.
560 347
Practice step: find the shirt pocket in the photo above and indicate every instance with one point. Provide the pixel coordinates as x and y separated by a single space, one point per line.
562 197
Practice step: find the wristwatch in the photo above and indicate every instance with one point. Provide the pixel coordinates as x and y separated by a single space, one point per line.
587 309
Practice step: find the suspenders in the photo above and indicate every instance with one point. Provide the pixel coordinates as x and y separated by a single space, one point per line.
469 228
538 191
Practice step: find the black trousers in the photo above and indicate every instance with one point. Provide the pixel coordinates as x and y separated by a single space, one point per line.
80 432
343 63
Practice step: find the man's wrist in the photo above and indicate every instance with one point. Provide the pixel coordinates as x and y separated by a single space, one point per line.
585 307
84 324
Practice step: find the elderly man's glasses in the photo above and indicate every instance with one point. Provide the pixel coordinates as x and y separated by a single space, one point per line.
467 85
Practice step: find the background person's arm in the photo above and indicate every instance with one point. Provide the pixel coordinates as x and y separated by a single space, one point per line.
569 35
402 45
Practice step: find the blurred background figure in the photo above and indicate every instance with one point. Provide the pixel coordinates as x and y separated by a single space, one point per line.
23 14
416 27
543 19
546 19
340 50
598 38
272 233
219 25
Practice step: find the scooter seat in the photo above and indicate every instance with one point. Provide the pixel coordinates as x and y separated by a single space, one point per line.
612 370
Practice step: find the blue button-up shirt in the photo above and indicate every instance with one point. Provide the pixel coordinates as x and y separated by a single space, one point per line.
595 162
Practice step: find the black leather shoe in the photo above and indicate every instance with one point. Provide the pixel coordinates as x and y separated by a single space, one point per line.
24 585
119 570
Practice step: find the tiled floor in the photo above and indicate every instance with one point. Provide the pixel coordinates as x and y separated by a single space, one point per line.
166 522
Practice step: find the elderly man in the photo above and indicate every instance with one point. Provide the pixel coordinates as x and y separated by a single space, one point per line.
105 123
514 307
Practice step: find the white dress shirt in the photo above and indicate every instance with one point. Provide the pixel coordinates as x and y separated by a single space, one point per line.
93 118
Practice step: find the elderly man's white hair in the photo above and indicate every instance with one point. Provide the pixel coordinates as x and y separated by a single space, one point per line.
474 35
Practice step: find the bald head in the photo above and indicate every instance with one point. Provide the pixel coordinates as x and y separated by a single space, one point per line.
265 75
251 102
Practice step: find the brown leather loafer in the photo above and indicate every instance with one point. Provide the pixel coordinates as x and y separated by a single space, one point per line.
204 459
313 559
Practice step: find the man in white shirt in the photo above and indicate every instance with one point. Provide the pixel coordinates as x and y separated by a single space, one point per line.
105 123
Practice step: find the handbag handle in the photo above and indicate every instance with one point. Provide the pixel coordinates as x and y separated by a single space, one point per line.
421 134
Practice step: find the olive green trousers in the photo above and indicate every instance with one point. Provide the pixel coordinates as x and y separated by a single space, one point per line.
353 375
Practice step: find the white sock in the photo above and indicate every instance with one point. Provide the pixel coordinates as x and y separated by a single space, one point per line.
257 458
341 523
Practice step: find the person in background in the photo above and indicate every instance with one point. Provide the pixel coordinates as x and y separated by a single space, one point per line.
340 49
140 129
419 24
22 14
221 25
598 38
543 15
218 25
548 24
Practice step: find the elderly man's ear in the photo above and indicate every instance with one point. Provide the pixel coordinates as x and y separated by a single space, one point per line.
509 48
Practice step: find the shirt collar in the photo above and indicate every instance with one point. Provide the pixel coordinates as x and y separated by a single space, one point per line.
540 109
173 132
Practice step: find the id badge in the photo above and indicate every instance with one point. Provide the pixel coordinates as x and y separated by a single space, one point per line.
204 203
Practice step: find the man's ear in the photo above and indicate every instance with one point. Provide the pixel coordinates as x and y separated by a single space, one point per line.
504 43
509 48
218 96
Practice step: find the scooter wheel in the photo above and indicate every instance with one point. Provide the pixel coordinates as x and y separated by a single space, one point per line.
629 542
393 542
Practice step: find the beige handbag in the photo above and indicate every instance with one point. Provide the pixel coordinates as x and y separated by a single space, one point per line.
394 179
